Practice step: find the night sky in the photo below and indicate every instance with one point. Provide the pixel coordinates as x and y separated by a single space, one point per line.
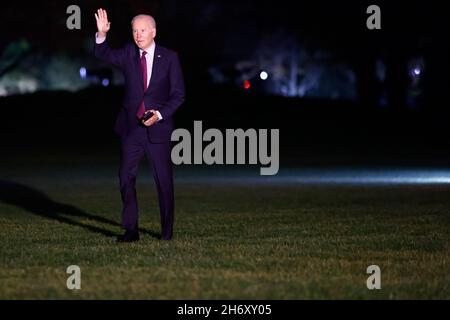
208 33
341 69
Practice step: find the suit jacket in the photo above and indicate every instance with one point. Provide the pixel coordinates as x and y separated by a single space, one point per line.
165 91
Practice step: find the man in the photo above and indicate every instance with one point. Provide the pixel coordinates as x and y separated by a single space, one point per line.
154 87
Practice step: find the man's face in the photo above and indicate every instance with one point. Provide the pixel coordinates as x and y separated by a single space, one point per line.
143 32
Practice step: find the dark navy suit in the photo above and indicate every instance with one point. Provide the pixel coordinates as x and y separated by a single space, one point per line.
165 93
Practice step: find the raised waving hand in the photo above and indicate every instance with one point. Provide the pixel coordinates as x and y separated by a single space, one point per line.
103 24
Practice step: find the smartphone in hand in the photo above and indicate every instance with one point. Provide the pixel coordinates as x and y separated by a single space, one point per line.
147 116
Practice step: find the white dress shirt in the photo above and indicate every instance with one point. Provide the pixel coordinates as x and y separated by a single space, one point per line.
148 57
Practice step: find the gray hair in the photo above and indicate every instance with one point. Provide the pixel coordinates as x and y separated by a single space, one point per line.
147 16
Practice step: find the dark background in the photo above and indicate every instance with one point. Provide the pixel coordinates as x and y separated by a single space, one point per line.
381 123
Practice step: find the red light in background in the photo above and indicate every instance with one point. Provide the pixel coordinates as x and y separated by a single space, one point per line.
246 84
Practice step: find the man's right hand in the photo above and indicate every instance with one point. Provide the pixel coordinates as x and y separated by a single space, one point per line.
103 24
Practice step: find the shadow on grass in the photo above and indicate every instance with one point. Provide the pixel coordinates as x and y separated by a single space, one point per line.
38 203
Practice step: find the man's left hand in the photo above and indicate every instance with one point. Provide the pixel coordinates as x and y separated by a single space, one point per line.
152 119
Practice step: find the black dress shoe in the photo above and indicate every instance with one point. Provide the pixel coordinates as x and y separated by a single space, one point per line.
129 236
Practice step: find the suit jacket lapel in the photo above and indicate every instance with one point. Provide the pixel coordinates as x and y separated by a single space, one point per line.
156 63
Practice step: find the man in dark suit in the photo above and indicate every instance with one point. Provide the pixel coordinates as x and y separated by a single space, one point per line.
154 90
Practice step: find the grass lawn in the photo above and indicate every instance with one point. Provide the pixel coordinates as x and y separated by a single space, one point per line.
232 241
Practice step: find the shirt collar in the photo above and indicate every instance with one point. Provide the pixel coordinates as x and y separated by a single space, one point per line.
150 50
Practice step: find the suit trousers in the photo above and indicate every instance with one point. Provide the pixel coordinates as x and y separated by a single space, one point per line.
136 146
